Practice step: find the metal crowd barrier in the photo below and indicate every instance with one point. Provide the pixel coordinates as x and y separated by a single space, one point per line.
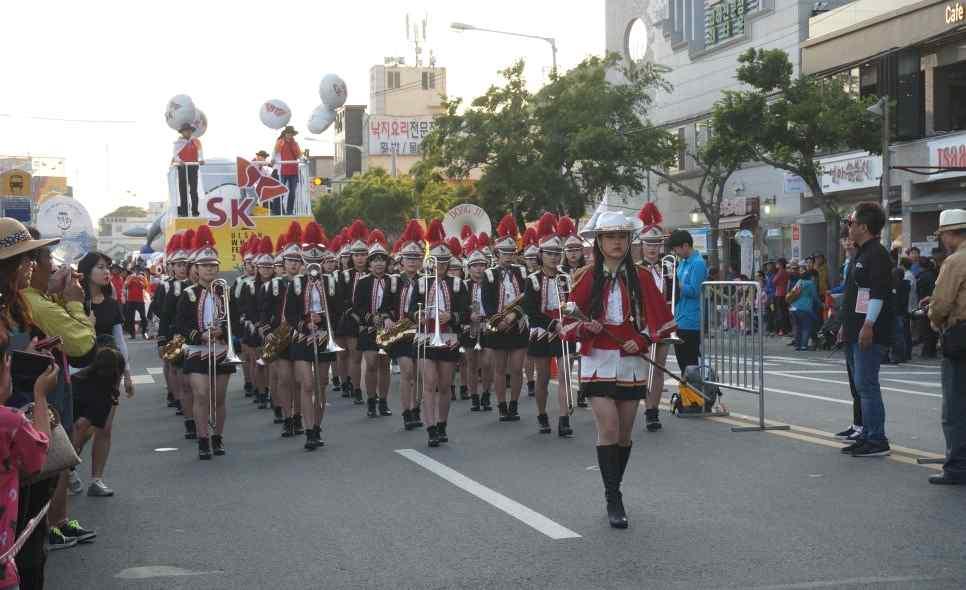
733 341
218 172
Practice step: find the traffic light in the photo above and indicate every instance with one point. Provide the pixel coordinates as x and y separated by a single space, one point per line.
322 181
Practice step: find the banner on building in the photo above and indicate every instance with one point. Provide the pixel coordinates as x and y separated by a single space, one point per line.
15 183
850 171
400 135
796 240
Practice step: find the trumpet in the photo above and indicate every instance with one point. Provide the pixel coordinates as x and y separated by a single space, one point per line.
670 264
563 284
314 272
437 340
515 307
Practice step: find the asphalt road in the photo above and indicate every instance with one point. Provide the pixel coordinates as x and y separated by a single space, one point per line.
502 506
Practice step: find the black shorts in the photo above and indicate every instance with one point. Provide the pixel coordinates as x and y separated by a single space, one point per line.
367 342
448 355
611 390
505 341
198 365
94 405
404 348
545 349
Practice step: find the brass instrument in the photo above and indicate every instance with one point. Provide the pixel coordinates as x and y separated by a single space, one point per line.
231 358
403 328
564 285
515 307
173 350
670 264
314 272
276 342
475 327
437 340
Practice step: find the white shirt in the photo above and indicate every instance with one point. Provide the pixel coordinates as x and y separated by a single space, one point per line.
614 313
208 312
315 300
509 289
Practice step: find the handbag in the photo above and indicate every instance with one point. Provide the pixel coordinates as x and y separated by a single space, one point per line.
61 454
954 342
793 294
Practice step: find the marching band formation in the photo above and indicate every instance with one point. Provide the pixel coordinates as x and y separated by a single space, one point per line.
309 311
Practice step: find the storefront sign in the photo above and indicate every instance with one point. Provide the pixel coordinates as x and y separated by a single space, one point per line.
955 13
948 152
725 19
399 135
15 183
739 206
700 237
796 240
794 184
850 171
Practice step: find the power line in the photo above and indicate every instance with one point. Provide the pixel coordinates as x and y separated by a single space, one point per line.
65 120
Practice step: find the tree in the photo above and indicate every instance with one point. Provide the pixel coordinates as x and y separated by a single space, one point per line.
792 120
128 211
558 150
384 201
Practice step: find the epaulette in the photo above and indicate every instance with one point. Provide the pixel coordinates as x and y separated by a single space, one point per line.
297 284
275 283
580 273
239 283
393 283
489 274
192 296
456 284
535 280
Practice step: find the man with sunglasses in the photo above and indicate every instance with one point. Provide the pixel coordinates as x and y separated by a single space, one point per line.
868 320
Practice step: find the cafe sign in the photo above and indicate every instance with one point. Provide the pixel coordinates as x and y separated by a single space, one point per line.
955 13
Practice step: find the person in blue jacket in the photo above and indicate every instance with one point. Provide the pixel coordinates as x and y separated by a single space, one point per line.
803 307
691 272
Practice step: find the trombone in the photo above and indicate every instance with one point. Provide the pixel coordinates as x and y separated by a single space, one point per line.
669 264
221 313
437 340
314 272
562 282
420 352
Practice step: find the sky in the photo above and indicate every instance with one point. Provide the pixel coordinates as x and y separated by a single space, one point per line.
109 68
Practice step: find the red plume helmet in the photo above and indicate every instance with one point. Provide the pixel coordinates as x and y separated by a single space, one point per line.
530 237
174 244
188 240
205 246
313 234
358 237
507 227
203 237
280 244
263 251
546 226
376 236
436 233
454 246
265 245
466 232
651 217
294 233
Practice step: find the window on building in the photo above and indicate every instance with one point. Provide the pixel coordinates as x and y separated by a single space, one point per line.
909 112
429 80
869 79
949 95
392 79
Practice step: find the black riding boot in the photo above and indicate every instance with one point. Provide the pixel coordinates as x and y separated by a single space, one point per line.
417 419
278 415
563 427
357 397
217 444
204 449
609 460
485 402
310 439
475 403
178 410
372 407
544 422
190 430
263 401
504 412
531 388
297 421
441 432
433 436
288 428
347 387
652 420
452 393
407 419
384 408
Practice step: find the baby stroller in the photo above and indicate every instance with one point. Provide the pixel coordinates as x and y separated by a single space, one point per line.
829 331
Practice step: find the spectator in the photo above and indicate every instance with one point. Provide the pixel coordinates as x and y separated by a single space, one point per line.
913 254
868 324
780 280
901 290
96 396
925 284
947 312
768 288
134 287
912 304
821 275
117 282
804 296
938 256
691 272
70 323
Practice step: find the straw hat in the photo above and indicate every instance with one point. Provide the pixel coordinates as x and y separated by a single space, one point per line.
952 219
15 239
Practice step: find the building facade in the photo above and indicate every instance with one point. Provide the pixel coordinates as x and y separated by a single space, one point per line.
697 44
914 53
110 231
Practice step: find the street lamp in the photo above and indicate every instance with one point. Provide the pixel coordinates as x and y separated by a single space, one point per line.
467 27
881 108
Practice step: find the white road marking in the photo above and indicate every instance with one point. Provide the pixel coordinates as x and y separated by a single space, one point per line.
907 382
155 370
165 449
809 396
897 390
142 379
866 581
518 511
842 372
157 571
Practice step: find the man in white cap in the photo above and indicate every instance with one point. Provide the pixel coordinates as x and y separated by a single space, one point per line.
947 314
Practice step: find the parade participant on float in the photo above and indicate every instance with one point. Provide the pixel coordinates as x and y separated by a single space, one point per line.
348 328
507 341
374 307
182 268
197 318
188 158
617 301
652 239
403 351
253 339
478 370
542 306
287 154
445 303
241 291
305 312
456 270
288 380
531 255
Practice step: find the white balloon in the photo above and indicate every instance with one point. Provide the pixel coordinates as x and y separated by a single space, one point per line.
275 114
200 123
322 117
180 110
332 91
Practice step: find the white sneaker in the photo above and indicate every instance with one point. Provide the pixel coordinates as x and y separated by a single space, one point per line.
99 488
74 483
856 434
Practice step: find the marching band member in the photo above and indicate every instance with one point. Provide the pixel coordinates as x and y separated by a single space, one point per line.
241 290
531 255
267 320
445 303
348 328
455 269
182 273
330 266
403 351
478 370
252 339
273 320
507 342
197 317
164 330
304 311
617 302
288 378
374 307
652 238
573 261
483 243
542 306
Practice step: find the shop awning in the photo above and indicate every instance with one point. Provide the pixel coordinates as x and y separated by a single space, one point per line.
734 221
811 216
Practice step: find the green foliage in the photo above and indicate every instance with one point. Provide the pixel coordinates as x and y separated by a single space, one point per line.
385 201
557 150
